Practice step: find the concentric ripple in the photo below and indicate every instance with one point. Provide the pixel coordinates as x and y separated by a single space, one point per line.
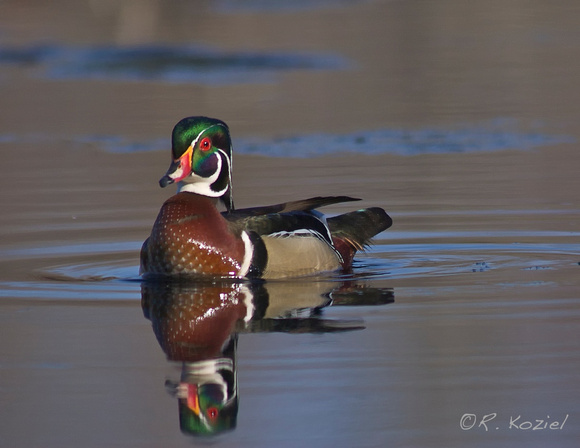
109 271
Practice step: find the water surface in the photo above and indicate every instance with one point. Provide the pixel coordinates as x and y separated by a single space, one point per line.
458 327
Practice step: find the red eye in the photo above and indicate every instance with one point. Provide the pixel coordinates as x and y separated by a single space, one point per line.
212 413
205 144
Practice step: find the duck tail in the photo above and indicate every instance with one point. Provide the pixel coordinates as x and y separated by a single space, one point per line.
353 231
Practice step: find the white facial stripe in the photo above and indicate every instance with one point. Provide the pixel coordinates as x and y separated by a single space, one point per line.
196 139
229 161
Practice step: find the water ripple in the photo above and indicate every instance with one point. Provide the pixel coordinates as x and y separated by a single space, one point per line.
117 278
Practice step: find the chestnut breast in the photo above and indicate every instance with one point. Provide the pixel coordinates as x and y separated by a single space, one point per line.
190 236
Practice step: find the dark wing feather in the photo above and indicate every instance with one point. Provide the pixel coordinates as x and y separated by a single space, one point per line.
357 228
294 223
296 218
293 206
288 217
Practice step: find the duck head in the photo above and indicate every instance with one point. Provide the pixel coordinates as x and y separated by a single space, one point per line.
202 159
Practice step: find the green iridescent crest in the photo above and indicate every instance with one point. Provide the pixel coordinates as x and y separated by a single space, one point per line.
189 129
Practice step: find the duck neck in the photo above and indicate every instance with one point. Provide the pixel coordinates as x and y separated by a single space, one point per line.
183 188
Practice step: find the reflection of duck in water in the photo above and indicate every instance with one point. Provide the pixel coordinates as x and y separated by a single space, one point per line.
197 325
190 237
207 393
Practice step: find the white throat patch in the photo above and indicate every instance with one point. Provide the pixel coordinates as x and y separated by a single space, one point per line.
202 185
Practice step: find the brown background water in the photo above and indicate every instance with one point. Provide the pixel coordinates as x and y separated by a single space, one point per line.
482 258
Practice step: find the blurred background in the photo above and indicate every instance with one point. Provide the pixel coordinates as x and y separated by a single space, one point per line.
334 66
461 119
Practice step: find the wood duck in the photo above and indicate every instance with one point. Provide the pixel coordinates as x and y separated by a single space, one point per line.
192 238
